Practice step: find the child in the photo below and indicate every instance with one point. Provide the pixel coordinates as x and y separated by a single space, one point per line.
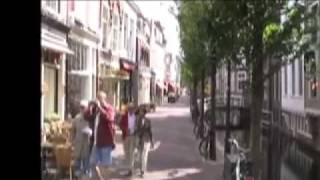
144 138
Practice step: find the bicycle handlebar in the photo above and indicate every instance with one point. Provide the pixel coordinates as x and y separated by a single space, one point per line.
240 149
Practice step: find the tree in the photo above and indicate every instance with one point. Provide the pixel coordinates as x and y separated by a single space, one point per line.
193 47
228 31
263 36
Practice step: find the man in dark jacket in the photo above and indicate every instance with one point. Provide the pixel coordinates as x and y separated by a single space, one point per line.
100 115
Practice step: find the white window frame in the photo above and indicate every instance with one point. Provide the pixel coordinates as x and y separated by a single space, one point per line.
130 40
80 58
115 31
125 31
52 5
105 16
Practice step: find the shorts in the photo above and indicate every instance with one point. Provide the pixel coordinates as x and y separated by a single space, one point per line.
101 156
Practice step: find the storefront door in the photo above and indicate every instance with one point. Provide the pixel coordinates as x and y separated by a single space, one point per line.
51 94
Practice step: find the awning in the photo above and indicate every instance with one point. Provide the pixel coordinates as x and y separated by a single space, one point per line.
116 74
54 44
126 65
171 87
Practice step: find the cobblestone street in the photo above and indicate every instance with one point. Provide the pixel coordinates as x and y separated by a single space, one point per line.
176 155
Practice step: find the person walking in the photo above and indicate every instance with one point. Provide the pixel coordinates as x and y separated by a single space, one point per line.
144 137
101 117
81 140
127 126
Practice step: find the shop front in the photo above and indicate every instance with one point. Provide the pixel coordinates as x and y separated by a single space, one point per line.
160 88
126 93
53 55
81 70
109 82
144 85
153 87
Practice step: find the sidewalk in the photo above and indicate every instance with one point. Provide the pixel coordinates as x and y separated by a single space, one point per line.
176 155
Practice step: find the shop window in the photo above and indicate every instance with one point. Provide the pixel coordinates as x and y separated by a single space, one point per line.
78 61
50 81
76 92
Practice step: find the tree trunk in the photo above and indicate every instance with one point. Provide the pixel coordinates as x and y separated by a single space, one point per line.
227 136
203 77
194 104
213 114
256 103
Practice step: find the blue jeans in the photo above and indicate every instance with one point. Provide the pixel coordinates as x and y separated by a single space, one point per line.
101 156
83 165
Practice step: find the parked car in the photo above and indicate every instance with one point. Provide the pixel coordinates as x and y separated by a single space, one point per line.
172 97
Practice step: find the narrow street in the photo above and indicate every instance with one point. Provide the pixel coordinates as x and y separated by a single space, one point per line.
176 155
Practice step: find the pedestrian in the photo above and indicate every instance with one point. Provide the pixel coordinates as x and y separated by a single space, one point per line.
144 137
127 126
101 117
81 140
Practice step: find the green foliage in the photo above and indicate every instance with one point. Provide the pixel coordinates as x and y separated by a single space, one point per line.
256 31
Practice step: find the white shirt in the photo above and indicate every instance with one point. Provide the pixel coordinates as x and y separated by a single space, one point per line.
96 129
131 122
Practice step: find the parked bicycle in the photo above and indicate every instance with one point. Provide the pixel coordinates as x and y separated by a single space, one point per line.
243 167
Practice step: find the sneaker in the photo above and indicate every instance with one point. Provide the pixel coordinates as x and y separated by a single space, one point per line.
142 174
129 174
77 173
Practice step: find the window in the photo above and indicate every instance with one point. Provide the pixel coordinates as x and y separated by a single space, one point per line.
115 32
78 61
313 87
104 27
241 76
54 5
310 69
241 85
125 31
104 35
285 80
293 78
131 36
300 77
50 95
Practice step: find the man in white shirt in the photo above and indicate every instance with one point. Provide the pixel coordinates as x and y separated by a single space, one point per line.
127 125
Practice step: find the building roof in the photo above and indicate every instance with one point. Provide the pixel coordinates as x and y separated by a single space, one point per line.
134 6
